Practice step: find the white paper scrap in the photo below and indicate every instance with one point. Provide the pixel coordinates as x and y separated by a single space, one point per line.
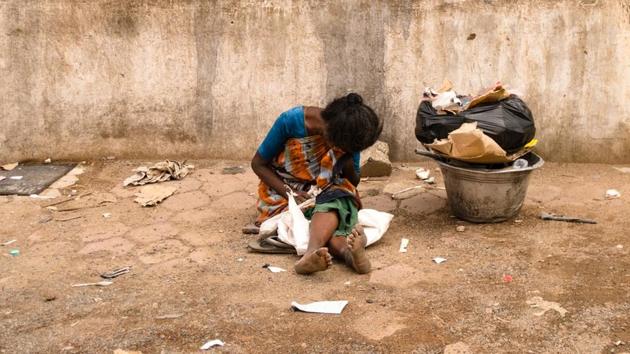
403 245
276 269
9 242
610 194
422 174
16 177
212 343
334 307
439 260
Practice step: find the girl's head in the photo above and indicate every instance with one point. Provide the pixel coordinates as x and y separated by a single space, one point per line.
350 124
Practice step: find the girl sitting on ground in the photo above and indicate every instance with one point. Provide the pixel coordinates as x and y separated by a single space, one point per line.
312 146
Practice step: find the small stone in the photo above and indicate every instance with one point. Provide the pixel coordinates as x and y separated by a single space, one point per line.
457 348
369 301
50 297
518 221
461 228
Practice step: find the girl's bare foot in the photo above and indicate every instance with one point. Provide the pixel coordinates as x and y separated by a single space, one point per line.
314 262
356 257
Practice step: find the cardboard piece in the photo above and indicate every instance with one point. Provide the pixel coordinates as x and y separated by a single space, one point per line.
470 144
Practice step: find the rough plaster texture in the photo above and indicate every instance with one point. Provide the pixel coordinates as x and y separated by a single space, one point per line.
84 79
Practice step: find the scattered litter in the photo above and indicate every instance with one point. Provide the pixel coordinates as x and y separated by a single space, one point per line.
154 194
37 196
430 180
544 306
619 246
212 343
618 343
169 316
404 243
408 193
14 252
347 283
68 218
332 307
518 221
107 215
439 260
239 259
507 278
100 283
74 323
48 160
623 169
160 172
9 166
17 178
610 194
116 272
9 242
234 170
460 228
547 216
110 158
423 174
274 269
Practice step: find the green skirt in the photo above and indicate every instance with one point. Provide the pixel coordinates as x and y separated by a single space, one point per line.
346 211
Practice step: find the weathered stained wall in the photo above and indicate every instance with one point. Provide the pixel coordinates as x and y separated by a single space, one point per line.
84 79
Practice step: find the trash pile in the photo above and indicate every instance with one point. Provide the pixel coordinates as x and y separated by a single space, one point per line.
492 127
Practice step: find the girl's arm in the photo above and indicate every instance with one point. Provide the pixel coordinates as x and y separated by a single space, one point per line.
348 171
262 169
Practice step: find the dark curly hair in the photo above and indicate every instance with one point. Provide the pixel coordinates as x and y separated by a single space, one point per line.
350 124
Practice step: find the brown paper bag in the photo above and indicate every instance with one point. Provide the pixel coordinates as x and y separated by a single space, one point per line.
470 144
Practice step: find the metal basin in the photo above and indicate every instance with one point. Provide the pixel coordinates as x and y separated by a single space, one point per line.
487 196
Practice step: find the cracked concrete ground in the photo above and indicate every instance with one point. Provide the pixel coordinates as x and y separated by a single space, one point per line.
190 265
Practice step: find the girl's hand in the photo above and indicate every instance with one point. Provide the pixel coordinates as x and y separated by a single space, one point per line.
301 197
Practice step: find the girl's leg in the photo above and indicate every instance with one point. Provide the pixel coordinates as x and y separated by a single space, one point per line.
317 258
352 250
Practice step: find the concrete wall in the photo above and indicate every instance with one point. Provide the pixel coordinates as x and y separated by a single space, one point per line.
158 78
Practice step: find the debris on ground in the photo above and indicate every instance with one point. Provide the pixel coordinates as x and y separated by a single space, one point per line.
154 194
430 180
160 172
375 161
14 252
612 194
461 228
331 307
622 169
423 174
547 216
457 348
544 306
507 278
2 177
48 160
212 343
251 229
274 269
408 193
169 316
107 215
116 272
121 351
9 166
93 200
100 283
233 170
439 260
9 242
17 178
404 243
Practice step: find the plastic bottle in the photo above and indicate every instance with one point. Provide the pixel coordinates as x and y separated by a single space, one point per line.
519 164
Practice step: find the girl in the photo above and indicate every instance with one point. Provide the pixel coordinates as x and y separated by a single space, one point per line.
312 146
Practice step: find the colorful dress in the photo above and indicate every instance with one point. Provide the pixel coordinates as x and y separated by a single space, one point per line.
303 161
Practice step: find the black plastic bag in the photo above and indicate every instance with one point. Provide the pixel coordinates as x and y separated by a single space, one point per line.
508 122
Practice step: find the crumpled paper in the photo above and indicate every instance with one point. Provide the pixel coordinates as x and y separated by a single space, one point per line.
160 172
469 143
